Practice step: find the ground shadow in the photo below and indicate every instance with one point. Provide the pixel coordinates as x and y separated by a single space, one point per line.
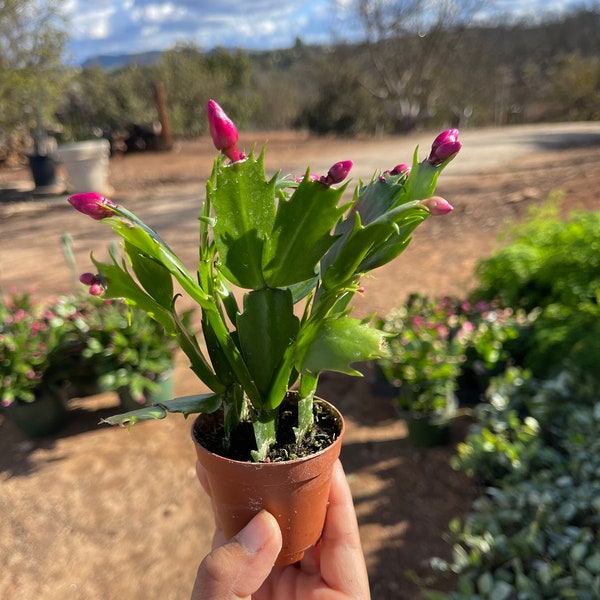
16 449
567 140
406 498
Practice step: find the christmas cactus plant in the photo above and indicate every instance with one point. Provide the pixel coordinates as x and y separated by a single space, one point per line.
297 248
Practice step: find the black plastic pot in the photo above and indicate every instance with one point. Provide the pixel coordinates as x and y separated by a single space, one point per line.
43 170
426 431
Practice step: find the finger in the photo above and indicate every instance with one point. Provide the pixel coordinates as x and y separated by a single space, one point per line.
219 539
341 557
238 568
311 561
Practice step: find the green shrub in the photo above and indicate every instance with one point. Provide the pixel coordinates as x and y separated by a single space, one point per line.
111 344
547 261
439 344
535 533
514 429
551 266
426 349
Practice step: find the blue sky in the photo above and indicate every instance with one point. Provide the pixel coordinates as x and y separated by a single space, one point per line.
102 27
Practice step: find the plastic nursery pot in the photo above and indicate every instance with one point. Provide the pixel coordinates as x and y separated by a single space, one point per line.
295 492
45 415
163 393
43 170
424 431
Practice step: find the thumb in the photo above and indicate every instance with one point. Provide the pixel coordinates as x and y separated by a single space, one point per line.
238 568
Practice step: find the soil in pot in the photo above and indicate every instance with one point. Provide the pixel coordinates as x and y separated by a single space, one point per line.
294 490
324 432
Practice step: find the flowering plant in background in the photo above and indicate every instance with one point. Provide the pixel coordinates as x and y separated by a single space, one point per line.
440 344
297 248
428 340
497 335
109 344
29 334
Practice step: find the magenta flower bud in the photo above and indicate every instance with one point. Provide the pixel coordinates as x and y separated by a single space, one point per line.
444 147
437 206
87 278
96 289
337 173
223 131
93 205
400 169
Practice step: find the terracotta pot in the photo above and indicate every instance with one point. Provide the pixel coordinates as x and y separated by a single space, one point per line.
295 492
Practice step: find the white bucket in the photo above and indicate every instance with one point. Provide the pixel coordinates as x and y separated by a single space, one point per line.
86 164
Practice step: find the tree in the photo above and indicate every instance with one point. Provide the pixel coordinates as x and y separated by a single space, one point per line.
410 42
32 41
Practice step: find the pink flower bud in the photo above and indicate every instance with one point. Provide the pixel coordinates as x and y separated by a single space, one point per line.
337 173
93 205
444 147
96 289
223 131
400 169
437 206
87 278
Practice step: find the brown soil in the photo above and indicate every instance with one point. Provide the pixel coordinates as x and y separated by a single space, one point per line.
97 512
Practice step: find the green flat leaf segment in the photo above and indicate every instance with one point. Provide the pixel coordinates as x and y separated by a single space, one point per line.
383 238
337 343
244 207
387 250
149 243
153 276
122 285
186 405
301 234
266 328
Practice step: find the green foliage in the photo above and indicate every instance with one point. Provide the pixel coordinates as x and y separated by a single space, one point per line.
438 344
535 533
575 89
80 342
283 242
112 344
29 335
32 40
551 266
507 441
107 100
426 349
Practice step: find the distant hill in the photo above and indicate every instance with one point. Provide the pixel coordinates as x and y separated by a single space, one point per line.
116 61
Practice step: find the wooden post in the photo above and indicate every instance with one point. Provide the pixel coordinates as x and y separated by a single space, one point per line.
163 116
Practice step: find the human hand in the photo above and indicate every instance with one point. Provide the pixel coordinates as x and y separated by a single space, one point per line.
242 568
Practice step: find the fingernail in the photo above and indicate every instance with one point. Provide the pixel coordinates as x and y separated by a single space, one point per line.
256 534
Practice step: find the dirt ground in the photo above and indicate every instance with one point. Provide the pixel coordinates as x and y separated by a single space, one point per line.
97 512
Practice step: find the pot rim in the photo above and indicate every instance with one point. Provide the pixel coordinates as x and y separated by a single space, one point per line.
340 434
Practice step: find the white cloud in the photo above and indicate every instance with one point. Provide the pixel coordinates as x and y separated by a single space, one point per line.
122 26
94 24
159 13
